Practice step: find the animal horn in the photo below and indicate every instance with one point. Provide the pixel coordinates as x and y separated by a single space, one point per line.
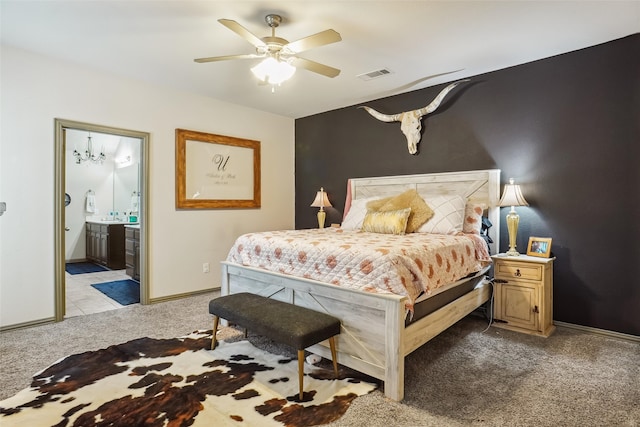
436 102
382 117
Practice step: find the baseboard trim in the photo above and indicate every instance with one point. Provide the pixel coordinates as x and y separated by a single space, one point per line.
151 301
28 324
612 334
179 296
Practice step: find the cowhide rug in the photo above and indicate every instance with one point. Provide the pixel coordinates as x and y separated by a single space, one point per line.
179 382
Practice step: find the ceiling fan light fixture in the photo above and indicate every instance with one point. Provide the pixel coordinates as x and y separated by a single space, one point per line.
279 55
273 71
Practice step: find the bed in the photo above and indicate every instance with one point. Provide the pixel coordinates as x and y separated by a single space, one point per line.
380 328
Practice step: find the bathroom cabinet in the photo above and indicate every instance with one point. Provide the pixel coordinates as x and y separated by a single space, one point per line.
105 244
132 251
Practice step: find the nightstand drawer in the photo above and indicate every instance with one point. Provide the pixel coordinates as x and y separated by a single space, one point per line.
518 270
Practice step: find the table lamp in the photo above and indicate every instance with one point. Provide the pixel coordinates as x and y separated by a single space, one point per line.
321 201
512 196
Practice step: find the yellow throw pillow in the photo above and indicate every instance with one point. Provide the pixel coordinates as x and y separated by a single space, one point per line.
375 205
388 222
420 210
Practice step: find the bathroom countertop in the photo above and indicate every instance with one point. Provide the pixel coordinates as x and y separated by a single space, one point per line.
110 222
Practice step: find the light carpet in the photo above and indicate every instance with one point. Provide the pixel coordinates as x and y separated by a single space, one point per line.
179 382
466 376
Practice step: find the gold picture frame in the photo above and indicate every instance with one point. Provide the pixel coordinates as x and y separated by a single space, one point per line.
539 246
216 171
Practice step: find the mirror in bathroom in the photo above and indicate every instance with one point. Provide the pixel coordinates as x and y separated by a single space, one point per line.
126 190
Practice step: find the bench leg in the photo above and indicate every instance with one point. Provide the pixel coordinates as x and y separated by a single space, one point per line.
215 329
301 370
332 344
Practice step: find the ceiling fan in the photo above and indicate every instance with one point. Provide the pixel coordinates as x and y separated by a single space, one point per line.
278 52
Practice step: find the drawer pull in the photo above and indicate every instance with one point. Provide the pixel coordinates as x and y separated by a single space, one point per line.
517 273
535 309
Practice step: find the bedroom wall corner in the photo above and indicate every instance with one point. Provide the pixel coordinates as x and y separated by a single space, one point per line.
35 90
565 127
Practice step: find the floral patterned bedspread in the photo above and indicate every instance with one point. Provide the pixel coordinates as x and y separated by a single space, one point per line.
405 265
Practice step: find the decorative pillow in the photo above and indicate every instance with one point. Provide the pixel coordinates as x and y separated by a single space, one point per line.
388 222
355 216
473 218
375 204
448 215
420 211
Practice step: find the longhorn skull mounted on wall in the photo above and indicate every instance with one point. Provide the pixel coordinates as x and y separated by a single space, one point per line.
411 121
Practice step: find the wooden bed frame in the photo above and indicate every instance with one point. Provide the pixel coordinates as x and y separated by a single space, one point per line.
374 339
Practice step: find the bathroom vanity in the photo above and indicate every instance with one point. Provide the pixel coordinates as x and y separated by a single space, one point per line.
105 243
132 250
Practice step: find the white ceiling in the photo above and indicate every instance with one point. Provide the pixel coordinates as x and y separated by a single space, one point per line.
156 42
77 140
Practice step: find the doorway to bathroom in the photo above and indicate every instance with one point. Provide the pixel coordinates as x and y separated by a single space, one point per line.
101 218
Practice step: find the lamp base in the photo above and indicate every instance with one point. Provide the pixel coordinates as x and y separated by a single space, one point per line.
321 217
512 252
512 225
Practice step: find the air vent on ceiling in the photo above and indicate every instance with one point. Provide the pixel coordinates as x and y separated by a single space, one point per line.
374 74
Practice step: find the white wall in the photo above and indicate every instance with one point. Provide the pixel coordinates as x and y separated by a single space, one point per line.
35 90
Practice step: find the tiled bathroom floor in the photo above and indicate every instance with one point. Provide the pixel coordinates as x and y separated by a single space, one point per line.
82 298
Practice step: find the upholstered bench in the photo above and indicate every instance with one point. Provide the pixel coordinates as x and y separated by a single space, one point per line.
296 326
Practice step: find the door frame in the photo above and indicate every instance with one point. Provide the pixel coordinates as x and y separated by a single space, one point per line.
59 213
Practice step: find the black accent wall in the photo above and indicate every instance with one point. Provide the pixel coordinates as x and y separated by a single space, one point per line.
567 128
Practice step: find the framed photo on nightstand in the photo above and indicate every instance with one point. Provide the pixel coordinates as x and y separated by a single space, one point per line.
539 246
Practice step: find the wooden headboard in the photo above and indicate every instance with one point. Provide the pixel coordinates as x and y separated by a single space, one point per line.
482 186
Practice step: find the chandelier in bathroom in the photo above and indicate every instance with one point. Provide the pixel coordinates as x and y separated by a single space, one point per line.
89 154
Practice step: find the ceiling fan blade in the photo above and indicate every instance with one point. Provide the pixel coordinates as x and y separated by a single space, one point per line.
316 67
242 32
227 57
320 39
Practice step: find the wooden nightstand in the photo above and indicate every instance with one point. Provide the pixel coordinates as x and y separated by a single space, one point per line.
523 294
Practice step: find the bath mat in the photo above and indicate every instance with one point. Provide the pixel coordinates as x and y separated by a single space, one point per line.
83 268
125 292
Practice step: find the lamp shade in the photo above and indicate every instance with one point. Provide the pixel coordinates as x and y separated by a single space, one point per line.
273 71
321 199
512 195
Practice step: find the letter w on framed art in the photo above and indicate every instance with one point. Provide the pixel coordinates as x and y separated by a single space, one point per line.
539 246
215 171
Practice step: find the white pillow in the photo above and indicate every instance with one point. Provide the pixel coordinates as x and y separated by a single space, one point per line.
356 214
448 215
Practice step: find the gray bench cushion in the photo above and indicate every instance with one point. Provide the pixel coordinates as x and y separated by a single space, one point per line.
290 324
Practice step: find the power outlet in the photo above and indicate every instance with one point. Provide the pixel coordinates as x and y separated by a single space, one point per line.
205 267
